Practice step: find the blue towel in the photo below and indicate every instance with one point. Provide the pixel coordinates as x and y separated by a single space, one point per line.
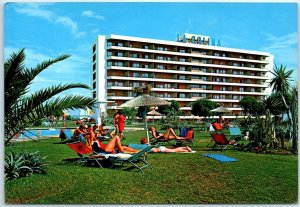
221 158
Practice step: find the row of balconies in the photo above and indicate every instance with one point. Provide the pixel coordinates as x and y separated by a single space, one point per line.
184 77
186 60
193 89
180 49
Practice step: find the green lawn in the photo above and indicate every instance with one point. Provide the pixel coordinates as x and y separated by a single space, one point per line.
175 179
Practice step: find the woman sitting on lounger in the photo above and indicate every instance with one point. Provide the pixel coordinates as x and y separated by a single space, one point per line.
169 134
113 146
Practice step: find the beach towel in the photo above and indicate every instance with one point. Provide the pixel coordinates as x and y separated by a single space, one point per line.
221 158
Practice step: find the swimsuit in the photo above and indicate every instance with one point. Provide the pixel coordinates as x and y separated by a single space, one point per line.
162 149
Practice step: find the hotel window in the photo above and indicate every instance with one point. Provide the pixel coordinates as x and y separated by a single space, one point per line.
241 89
145 75
181 77
252 66
195 94
241 72
135 74
222 88
203 87
160 48
136 65
195 60
134 55
216 97
168 85
195 68
109 44
241 97
135 84
203 95
195 86
182 50
195 77
109 84
109 54
223 55
242 65
182 68
204 78
119 64
160 66
159 57
120 44
252 89
181 95
204 52
120 54
182 59
146 56
223 79
146 66
235 106
204 61
235 64
235 72
109 64
216 54
222 97
203 70
235 97
145 46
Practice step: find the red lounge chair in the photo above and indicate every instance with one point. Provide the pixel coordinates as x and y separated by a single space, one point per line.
221 140
188 139
85 152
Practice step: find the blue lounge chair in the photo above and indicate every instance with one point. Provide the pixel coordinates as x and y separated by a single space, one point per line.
235 132
138 159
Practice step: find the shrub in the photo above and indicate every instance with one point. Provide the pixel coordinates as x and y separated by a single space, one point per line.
23 164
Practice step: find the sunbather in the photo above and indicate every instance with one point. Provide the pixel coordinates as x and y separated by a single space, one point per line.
166 150
113 146
80 130
169 134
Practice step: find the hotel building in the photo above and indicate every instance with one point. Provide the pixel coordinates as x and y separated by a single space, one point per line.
183 70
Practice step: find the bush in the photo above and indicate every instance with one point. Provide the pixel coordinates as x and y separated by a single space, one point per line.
23 164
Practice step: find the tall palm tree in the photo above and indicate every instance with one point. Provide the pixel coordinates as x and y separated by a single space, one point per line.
281 84
23 108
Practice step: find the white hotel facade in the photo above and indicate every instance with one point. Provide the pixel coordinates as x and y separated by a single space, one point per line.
183 70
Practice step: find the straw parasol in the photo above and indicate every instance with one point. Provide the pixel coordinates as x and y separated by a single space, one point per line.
153 113
145 100
221 109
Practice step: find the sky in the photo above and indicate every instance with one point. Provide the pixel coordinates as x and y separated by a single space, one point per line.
47 30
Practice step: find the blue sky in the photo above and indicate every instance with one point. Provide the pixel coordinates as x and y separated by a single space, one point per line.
47 30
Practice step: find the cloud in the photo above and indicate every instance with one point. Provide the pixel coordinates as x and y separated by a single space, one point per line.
285 51
91 14
35 10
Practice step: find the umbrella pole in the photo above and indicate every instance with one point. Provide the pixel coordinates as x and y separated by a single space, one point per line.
147 130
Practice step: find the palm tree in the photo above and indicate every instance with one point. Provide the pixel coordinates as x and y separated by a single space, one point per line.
23 108
281 85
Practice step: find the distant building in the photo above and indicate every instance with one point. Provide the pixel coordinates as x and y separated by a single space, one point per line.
183 70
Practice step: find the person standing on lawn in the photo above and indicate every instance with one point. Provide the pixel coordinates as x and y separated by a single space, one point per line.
121 124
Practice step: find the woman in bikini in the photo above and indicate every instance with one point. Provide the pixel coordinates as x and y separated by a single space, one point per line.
169 134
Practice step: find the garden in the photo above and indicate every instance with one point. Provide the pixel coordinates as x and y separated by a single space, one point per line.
43 171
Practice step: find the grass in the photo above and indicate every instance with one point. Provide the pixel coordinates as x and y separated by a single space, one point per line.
175 179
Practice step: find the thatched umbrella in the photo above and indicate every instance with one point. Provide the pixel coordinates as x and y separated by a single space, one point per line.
145 100
153 113
221 110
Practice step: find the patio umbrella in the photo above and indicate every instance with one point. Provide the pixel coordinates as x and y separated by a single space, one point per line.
153 113
145 100
221 110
